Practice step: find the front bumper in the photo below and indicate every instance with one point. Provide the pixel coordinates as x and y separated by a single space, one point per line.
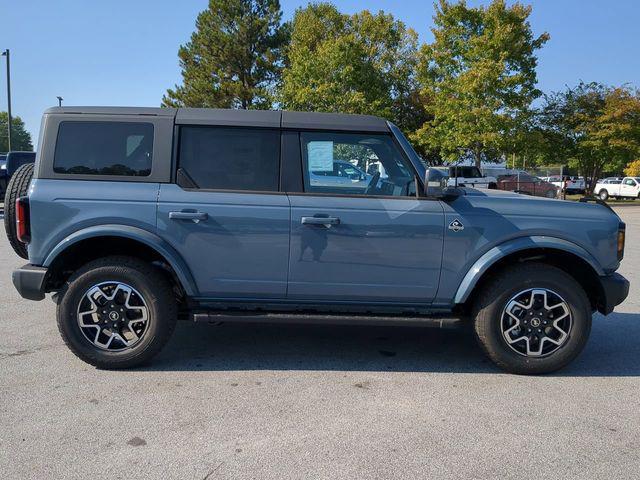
29 280
615 289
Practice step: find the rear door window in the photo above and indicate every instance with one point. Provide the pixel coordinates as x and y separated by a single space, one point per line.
217 158
104 148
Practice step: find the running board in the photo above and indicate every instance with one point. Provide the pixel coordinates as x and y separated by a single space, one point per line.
433 321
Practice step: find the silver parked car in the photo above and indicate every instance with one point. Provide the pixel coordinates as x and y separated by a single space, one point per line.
344 174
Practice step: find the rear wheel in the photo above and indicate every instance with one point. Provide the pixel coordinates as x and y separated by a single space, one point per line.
18 187
532 319
604 195
117 312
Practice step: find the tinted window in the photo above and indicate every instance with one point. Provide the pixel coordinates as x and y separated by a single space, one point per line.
230 158
357 164
471 172
104 148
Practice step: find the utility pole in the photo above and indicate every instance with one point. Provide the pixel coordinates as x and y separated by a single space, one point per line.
60 101
6 54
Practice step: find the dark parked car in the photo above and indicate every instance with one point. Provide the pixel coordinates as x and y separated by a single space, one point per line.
3 176
9 164
16 159
137 217
528 185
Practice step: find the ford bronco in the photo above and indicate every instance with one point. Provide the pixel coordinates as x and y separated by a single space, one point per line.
137 217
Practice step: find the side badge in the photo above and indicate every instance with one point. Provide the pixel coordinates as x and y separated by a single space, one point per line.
456 226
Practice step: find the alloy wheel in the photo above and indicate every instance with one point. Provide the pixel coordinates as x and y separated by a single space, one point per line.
536 322
113 316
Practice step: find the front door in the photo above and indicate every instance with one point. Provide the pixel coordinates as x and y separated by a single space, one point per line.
377 244
224 214
629 188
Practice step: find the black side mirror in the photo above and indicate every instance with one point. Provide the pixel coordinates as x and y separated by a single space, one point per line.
435 183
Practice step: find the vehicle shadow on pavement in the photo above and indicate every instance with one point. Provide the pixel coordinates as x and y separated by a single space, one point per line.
613 349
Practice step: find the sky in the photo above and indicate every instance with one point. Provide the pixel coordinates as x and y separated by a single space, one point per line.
117 52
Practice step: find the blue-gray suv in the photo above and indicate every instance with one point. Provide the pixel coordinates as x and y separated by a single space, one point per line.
137 217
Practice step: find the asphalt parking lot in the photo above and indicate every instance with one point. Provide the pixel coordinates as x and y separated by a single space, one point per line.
316 402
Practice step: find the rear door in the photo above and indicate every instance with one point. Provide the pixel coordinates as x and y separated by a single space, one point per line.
379 244
224 213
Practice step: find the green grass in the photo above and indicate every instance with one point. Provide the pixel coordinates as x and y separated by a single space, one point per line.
611 201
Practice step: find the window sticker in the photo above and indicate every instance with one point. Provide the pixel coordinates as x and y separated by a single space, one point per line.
320 156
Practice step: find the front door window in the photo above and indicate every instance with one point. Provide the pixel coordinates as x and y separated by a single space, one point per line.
355 164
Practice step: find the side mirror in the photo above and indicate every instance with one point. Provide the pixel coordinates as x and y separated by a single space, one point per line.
435 183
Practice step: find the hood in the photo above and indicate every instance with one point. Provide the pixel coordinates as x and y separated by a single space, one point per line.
518 204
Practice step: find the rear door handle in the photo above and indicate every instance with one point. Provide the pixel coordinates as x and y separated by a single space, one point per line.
320 221
195 217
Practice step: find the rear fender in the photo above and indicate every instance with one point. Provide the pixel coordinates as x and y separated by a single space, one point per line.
143 236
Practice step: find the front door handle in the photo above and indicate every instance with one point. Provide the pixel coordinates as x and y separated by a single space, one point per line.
320 221
195 217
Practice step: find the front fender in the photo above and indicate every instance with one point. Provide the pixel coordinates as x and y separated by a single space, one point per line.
485 262
134 233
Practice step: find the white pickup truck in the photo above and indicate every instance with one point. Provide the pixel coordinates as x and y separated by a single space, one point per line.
467 176
629 187
570 184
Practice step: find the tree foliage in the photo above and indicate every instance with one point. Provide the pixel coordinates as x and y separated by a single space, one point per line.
363 63
479 79
633 169
591 127
20 137
234 57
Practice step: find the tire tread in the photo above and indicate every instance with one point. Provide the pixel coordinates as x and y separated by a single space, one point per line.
17 187
163 290
503 282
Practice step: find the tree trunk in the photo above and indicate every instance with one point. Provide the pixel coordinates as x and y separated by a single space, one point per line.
477 154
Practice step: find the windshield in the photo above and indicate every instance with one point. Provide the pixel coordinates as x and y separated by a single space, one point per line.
409 151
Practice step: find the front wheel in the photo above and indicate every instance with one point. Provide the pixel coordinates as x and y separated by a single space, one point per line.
117 312
532 319
604 195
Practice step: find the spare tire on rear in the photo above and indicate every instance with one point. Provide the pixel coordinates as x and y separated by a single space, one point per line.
18 187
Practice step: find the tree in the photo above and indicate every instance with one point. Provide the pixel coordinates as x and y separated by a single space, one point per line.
20 138
592 127
479 76
363 63
234 58
633 169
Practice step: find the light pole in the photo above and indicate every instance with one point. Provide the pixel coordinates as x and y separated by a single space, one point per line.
6 54
60 101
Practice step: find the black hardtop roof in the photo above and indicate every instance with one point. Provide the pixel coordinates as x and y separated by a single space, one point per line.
244 118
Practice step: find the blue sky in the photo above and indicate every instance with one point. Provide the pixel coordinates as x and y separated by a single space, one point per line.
116 52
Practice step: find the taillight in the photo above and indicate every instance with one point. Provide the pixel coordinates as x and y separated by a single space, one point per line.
621 239
23 230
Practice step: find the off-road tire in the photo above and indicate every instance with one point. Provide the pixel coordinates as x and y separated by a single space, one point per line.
603 195
146 279
18 187
492 300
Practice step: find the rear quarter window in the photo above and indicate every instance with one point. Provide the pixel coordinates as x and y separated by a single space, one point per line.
104 148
